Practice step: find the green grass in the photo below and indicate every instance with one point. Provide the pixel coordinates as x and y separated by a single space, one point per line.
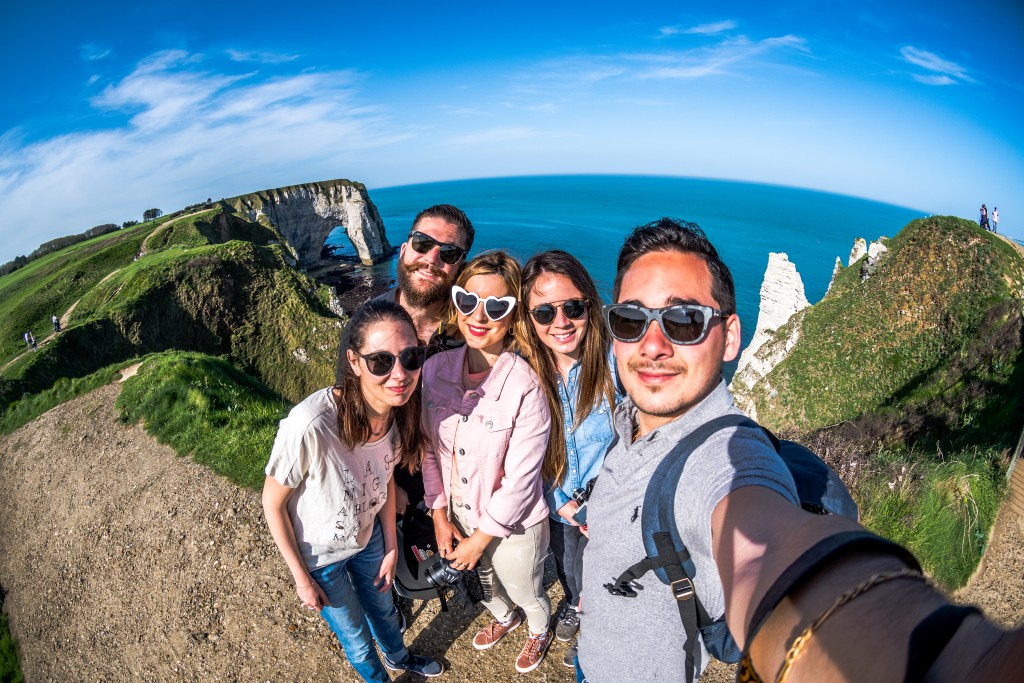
49 285
206 408
29 408
10 670
891 340
235 299
942 510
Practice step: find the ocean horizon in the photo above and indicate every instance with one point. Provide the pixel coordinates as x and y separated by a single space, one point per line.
590 215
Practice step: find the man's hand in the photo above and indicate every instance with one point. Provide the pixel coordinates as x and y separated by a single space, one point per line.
401 500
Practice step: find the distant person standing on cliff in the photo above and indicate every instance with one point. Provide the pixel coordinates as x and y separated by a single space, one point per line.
56 322
983 221
329 495
995 219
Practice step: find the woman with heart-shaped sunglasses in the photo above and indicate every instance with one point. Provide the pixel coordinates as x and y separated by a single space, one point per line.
486 423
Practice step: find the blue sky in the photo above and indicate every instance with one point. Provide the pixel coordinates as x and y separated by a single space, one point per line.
112 108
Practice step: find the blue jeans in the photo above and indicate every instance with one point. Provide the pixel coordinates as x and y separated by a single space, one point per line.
567 544
359 613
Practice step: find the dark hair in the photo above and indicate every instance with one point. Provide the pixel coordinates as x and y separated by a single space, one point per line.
672 234
353 420
450 214
595 381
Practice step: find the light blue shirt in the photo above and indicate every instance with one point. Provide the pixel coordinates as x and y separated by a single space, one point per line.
585 445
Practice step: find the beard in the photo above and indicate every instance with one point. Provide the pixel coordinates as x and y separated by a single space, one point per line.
429 294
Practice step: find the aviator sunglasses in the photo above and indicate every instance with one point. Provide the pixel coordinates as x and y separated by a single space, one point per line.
574 309
494 308
682 323
422 244
381 363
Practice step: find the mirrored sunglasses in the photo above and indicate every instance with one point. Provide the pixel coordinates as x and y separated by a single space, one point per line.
574 309
682 324
494 308
381 363
422 244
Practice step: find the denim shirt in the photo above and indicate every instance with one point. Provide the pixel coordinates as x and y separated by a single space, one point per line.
585 446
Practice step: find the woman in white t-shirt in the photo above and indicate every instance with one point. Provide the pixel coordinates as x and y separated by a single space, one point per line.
329 492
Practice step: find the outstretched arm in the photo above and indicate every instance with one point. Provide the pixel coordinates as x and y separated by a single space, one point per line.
757 535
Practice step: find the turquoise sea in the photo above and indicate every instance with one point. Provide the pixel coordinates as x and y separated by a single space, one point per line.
589 216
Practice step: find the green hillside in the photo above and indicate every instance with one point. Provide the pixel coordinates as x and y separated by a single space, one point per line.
909 383
209 282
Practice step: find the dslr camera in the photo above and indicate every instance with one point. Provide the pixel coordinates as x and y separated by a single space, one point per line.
581 496
464 584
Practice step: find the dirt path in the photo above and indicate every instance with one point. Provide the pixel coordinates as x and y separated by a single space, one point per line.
123 562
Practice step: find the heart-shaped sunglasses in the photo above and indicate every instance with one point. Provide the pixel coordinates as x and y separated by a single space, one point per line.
495 308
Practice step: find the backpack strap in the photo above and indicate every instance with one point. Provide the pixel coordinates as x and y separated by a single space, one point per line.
667 554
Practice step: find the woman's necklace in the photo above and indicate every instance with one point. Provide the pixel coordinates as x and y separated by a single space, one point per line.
381 429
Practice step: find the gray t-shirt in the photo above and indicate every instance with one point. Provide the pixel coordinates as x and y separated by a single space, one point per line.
338 490
642 638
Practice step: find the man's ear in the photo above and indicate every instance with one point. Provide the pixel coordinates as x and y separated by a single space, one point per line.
401 250
353 360
732 338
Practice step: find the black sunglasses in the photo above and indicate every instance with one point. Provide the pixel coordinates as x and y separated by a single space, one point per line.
381 363
682 324
422 244
494 308
574 309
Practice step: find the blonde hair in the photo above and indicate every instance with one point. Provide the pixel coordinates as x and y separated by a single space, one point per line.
500 263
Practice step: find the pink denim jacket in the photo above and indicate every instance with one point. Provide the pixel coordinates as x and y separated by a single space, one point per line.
501 432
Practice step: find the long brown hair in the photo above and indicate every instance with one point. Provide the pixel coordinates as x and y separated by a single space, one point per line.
353 420
595 382
496 262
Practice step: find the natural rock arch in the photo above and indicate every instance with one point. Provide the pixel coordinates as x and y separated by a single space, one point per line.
306 214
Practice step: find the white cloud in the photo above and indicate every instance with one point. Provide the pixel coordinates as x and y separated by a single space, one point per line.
190 135
935 79
91 52
701 29
261 57
944 71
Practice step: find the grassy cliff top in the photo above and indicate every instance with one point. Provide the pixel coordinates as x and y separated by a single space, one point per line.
936 329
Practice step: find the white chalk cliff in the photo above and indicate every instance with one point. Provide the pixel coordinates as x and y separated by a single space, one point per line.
860 247
782 297
306 214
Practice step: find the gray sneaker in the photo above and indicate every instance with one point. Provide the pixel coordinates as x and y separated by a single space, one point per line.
569 659
428 667
568 625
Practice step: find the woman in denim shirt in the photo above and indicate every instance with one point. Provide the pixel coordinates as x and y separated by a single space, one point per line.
571 356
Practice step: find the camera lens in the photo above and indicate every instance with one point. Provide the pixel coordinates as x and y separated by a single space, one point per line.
442 574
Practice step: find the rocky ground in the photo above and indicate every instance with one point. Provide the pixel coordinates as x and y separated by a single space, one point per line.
123 562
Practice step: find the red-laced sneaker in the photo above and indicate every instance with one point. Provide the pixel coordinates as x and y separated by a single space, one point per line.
489 635
533 652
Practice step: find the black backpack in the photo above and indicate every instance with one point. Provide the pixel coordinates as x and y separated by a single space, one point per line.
819 489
